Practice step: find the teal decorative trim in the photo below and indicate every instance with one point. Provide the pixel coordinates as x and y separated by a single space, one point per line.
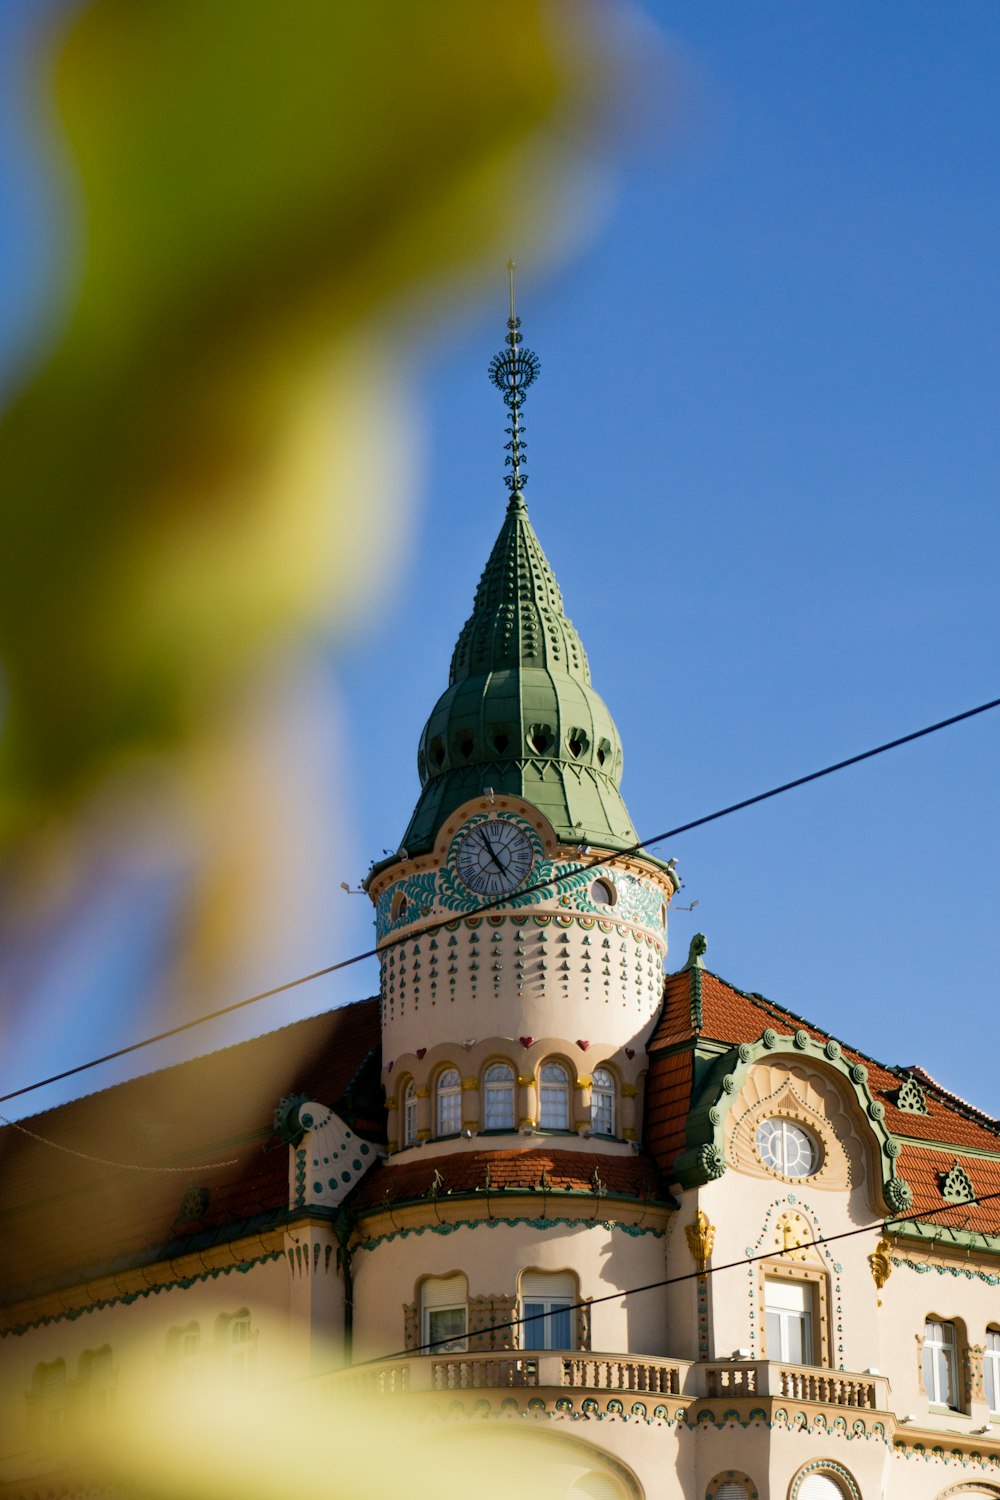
703 1157
182 1283
911 1098
922 1268
826 1466
634 1230
636 902
837 1322
957 1186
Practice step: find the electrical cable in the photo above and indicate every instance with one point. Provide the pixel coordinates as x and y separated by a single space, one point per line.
882 1226
601 860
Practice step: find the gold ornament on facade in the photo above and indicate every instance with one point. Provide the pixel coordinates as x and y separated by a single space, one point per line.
700 1237
881 1265
794 1237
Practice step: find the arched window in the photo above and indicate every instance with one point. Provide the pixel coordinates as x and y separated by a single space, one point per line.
498 1091
410 1114
731 1489
239 1344
602 1103
95 1379
823 1486
940 1364
546 1300
789 1309
444 1314
449 1102
991 1368
183 1349
553 1111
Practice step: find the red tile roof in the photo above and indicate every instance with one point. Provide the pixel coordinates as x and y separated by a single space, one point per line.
925 1170
71 1212
632 1176
732 1016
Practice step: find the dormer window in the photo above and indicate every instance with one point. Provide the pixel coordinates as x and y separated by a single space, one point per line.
786 1148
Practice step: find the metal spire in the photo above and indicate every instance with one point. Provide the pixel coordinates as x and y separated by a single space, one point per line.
512 371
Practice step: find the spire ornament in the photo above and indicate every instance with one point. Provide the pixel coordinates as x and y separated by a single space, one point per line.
512 371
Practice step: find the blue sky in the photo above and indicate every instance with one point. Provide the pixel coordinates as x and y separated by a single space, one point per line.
764 463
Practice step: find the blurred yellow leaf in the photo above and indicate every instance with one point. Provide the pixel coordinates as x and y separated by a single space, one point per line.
258 186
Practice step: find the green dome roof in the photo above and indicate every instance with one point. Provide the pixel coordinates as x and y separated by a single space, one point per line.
519 713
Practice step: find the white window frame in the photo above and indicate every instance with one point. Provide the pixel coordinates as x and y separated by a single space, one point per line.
783 1131
546 1293
786 1317
603 1098
553 1089
448 1103
991 1368
240 1349
435 1298
499 1102
410 1114
947 1351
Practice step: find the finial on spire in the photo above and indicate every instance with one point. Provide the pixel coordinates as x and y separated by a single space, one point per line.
512 371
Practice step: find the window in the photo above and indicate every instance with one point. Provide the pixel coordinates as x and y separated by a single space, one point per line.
554 1097
819 1487
786 1148
548 1299
410 1114
940 1367
499 1097
240 1349
449 1102
789 1309
444 1304
95 1379
732 1489
603 893
991 1368
48 1402
602 1103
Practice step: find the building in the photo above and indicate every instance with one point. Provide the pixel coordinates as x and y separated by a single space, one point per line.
459 1189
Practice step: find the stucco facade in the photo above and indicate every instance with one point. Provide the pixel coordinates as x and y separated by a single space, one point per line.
698 1245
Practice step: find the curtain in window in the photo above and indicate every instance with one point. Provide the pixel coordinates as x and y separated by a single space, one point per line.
498 1087
444 1302
819 1487
410 1114
547 1299
940 1369
554 1097
602 1103
449 1102
788 1305
991 1368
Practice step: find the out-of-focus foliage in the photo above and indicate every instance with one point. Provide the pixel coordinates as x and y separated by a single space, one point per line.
315 1439
255 187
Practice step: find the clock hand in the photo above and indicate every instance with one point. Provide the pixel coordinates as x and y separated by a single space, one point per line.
492 853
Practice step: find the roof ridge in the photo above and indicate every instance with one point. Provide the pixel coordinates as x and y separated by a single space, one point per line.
188 1061
775 1009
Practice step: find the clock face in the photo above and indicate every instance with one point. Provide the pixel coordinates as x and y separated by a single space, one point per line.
493 858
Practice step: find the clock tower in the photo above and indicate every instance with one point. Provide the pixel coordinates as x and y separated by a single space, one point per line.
521 932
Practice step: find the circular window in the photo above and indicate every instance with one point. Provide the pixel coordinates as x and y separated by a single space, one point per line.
787 1149
603 893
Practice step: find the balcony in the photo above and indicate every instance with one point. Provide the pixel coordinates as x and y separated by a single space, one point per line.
547 1371
795 1383
582 1383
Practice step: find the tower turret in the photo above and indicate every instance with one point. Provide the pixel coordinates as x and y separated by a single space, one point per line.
520 972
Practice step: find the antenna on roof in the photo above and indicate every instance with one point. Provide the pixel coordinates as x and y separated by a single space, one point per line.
512 371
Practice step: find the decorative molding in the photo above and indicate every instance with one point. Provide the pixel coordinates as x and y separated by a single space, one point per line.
700 1236
704 1155
633 1230
881 1266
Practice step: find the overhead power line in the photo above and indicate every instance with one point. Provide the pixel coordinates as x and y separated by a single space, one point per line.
877 1226
601 860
